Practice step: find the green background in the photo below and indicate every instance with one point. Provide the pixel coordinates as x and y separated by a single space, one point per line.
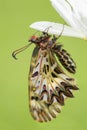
15 18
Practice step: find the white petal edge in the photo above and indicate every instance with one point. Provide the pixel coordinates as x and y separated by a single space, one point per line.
74 12
64 10
56 28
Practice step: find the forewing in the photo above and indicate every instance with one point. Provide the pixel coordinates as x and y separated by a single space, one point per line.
49 86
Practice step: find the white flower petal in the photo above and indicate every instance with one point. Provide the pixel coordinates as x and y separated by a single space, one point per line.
65 10
74 12
79 14
56 28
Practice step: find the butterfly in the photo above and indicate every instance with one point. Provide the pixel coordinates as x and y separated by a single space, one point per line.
49 84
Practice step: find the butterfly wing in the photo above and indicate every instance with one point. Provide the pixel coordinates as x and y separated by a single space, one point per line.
65 58
48 86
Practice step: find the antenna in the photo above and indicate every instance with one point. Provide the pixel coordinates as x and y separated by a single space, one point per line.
61 32
20 50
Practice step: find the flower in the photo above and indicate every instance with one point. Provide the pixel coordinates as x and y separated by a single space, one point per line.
74 12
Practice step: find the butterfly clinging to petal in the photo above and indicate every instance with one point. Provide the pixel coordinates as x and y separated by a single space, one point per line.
49 85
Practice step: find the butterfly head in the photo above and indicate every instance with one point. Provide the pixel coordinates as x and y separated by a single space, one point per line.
33 39
39 39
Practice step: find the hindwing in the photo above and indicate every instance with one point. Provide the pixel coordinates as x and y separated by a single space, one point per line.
65 58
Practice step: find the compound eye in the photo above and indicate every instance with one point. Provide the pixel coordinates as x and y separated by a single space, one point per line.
33 38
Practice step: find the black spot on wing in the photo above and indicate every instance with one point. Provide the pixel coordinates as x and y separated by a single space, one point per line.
35 74
34 98
53 75
46 69
57 70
